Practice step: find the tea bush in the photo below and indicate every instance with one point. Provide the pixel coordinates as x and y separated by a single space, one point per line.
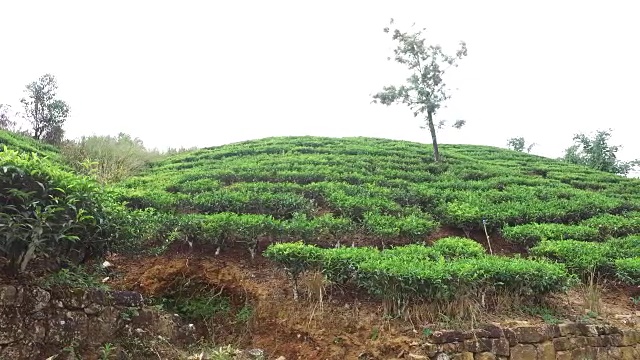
46 211
584 257
628 270
615 225
457 248
414 273
531 234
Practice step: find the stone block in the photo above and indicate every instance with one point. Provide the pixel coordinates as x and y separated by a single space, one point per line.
485 356
500 346
568 329
523 352
563 344
447 336
478 345
546 351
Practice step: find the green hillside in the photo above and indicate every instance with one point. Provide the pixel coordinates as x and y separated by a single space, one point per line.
28 145
335 190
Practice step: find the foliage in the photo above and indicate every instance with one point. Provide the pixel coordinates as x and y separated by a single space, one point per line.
628 270
318 189
596 153
108 158
46 211
580 257
458 248
26 144
401 274
584 257
44 111
615 225
74 277
414 226
425 91
531 234
519 144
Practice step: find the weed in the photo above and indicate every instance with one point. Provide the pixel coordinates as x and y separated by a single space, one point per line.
129 313
105 351
547 314
375 333
74 277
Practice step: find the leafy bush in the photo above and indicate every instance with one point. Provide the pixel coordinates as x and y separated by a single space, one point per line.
457 248
580 257
46 211
615 225
628 270
584 257
531 234
414 226
415 272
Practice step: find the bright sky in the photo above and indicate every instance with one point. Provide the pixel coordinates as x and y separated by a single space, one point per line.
202 73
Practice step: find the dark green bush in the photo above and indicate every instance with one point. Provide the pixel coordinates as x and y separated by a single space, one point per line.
46 211
457 247
531 234
580 257
615 225
584 257
628 270
412 273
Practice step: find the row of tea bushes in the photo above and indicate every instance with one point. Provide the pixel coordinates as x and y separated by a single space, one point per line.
451 268
597 228
614 257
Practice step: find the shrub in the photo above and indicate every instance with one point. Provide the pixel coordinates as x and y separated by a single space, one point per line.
580 257
531 234
414 272
615 225
50 212
341 265
628 270
296 258
414 226
457 247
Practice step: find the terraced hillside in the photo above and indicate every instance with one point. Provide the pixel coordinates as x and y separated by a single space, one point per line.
28 145
326 248
376 192
386 189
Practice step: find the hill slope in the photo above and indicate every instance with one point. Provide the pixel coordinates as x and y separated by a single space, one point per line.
363 191
28 145
383 188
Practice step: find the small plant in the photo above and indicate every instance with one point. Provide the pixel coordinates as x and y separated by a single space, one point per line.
244 315
375 333
129 313
74 277
426 332
105 351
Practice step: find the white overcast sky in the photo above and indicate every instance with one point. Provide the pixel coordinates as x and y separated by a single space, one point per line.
202 73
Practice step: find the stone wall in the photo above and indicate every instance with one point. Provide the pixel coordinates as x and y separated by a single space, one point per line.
570 341
36 323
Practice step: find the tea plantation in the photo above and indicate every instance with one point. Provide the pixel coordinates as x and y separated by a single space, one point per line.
313 198
330 191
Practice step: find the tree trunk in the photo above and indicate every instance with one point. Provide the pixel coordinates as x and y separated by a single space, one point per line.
434 140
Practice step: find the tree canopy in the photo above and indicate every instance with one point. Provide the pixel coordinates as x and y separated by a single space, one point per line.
425 90
595 152
44 111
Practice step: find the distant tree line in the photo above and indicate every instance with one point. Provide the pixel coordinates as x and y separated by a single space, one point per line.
594 152
107 158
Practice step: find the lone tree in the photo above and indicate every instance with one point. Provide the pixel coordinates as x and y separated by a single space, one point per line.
519 144
596 153
425 91
45 113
